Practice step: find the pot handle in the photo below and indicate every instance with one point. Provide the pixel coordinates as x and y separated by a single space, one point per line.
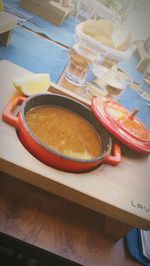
8 115
116 157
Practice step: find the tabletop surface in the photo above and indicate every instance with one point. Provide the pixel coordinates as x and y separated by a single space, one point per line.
121 192
56 225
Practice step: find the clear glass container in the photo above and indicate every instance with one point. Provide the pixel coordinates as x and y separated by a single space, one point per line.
80 59
111 80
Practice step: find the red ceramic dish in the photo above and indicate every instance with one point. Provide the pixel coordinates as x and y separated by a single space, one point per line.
117 120
48 155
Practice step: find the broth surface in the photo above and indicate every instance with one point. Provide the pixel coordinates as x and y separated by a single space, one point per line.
64 131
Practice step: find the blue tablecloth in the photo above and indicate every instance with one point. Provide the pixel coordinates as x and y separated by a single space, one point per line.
35 54
62 34
130 67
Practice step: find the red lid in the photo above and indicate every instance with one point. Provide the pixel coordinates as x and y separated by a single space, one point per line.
122 124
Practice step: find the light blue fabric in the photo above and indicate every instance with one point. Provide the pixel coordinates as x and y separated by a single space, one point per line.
130 67
62 34
131 99
35 54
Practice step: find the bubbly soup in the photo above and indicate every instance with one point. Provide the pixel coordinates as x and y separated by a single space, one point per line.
64 131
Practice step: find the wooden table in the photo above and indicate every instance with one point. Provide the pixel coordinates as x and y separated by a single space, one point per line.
56 225
121 193
49 10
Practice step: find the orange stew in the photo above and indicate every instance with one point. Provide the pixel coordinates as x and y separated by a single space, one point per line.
64 131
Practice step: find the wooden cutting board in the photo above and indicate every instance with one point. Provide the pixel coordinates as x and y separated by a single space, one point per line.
121 192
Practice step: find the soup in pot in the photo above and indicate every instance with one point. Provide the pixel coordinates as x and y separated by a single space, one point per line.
64 131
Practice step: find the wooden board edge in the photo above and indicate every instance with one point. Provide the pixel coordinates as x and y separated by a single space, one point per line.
73 195
55 88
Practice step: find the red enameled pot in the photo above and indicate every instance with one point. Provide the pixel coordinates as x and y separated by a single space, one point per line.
48 155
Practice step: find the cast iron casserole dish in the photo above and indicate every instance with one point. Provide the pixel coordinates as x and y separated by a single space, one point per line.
48 155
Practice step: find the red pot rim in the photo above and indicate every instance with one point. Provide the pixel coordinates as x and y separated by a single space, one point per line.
22 115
